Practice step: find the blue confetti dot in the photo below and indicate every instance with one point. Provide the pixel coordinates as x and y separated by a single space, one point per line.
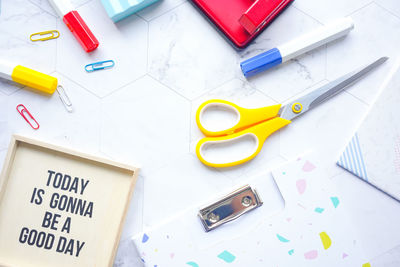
227 256
335 201
145 238
319 210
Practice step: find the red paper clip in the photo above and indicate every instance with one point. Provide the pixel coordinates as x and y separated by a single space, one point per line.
21 109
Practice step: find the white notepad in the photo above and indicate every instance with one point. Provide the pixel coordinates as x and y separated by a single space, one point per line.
373 154
300 224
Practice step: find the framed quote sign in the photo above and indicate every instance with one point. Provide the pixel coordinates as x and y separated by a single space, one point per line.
60 207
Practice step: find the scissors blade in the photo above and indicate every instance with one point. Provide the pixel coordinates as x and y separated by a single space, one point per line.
316 97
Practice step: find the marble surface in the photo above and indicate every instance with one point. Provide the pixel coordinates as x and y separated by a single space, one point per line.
169 60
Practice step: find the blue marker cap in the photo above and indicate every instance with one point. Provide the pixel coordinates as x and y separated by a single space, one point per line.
261 62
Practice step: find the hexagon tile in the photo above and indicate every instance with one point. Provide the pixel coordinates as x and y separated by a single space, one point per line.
193 188
184 61
18 20
323 128
117 42
78 130
145 123
376 31
168 60
390 5
327 10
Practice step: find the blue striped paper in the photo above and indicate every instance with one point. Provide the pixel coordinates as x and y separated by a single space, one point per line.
352 159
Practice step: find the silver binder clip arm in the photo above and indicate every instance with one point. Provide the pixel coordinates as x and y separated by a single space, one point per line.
229 207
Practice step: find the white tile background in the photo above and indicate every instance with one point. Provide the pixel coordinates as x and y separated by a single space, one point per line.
169 59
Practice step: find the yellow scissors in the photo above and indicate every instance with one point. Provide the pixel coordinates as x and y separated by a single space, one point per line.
260 123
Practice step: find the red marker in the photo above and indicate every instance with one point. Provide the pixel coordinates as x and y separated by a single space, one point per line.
75 24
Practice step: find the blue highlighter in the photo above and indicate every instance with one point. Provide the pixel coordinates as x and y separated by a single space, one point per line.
296 47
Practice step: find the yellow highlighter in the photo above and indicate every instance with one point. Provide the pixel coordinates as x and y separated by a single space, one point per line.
39 81
28 77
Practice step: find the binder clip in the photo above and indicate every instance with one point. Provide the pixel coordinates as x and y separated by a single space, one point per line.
229 208
244 21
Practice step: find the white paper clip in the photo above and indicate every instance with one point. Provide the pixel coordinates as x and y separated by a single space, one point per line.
229 207
64 98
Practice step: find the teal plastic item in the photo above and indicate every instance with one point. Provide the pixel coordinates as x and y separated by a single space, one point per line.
120 9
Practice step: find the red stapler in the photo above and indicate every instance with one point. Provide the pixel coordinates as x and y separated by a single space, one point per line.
241 20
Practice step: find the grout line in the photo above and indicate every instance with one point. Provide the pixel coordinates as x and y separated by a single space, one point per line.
208 91
265 94
356 97
358 9
170 88
218 85
45 11
302 91
66 76
163 13
123 86
148 44
384 8
19 88
346 90
308 15
84 3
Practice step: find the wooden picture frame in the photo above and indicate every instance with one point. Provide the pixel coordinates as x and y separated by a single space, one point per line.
59 207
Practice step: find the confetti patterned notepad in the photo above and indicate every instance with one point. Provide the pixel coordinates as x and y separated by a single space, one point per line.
308 227
373 154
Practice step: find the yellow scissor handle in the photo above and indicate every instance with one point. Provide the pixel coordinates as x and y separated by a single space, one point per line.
246 117
259 132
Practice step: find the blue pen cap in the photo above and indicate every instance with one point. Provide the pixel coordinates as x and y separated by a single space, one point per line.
261 62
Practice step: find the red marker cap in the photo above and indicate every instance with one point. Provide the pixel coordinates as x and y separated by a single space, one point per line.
75 24
81 31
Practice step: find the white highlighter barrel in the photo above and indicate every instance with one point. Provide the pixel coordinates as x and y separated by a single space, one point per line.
297 46
316 38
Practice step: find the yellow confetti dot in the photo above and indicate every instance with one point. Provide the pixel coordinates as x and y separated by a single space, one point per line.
366 264
326 240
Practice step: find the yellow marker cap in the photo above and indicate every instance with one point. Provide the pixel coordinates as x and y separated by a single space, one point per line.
34 79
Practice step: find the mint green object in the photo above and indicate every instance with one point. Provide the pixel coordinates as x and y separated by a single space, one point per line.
227 256
120 9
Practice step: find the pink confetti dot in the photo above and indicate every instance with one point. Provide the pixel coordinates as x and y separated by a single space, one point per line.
301 186
308 166
312 254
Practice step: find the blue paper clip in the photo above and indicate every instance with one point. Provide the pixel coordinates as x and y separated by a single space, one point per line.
101 65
